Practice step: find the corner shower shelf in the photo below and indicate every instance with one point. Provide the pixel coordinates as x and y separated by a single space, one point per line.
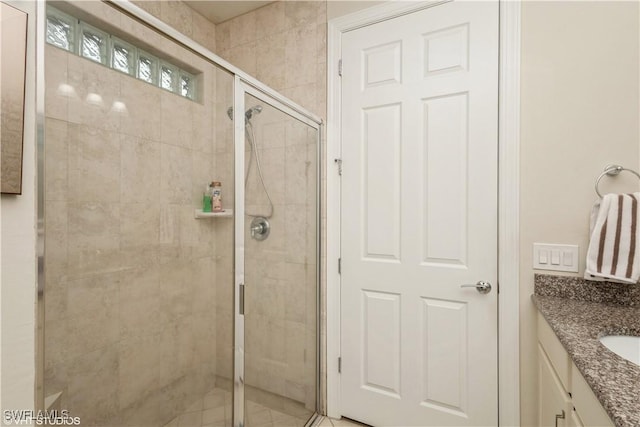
227 213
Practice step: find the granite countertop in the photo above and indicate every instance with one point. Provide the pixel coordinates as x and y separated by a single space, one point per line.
578 324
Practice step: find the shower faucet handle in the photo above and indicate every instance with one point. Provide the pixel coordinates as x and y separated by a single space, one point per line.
260 228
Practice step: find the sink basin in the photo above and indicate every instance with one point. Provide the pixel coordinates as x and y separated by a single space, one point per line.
625 346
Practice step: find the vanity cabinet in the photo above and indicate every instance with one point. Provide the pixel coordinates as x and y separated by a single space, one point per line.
554 401
565 399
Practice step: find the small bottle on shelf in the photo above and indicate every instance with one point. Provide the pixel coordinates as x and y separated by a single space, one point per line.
206 199
216 196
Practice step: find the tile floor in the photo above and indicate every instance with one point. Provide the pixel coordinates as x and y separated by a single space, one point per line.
331 422
214 410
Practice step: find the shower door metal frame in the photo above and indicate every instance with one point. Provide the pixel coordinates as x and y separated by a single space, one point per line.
240 89
243 83
238 418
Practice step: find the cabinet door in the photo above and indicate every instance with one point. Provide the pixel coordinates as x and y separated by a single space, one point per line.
587 405
554 400
574 420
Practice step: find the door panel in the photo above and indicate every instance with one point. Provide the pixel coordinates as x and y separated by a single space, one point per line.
419 218
381 349
445 143
444 355
381 151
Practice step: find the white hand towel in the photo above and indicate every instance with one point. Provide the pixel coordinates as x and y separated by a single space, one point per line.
614 253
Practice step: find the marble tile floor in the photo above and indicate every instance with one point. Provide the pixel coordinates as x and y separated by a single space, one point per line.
343 422
215 408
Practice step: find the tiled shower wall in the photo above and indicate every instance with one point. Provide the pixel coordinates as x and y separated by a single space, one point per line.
284 45
187 21
182 18
130 302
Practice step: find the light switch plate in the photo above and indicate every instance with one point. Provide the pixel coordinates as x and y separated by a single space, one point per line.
548 256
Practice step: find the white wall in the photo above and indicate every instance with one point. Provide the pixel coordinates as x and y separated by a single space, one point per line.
579 89
18 259
338 8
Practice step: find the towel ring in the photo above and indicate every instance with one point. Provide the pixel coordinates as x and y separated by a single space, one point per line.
613 170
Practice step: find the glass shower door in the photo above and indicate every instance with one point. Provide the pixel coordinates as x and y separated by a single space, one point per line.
280 253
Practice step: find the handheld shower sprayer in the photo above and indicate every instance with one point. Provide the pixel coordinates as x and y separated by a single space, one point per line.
257 109
254 154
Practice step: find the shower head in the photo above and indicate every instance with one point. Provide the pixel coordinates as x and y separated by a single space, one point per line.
256 109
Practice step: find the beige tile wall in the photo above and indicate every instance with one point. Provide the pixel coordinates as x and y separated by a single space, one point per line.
130 296
182 18
283 45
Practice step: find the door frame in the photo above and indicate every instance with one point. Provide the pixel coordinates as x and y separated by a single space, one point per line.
508 198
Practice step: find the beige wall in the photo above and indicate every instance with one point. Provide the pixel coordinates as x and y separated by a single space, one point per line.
579 113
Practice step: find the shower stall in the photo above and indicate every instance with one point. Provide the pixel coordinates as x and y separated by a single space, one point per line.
153 311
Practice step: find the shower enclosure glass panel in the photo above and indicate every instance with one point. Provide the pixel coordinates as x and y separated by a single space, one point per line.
280 266
145 316
139 292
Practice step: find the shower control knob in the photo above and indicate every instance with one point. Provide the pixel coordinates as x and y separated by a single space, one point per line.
482 287
260 228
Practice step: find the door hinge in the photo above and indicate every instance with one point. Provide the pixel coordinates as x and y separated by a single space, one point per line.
339 163
241 297
339 365
339 265
340 67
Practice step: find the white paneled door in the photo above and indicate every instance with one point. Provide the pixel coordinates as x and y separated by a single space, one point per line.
419 218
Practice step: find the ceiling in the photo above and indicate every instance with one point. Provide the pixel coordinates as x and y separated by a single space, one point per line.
220 11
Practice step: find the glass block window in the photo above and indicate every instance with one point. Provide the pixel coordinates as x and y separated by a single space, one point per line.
73 35
147 67
123 56
60 30
187 85
93 44
168 77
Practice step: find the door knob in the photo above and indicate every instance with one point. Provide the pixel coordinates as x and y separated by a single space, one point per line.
482 287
